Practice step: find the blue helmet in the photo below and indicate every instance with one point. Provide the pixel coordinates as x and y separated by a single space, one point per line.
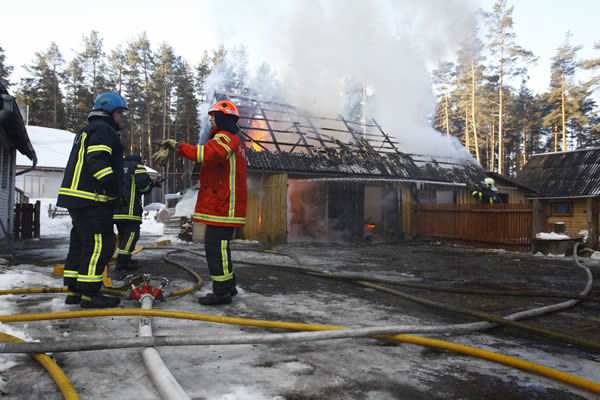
109 102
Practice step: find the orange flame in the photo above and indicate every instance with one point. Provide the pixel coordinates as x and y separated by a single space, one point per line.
257 134
370 227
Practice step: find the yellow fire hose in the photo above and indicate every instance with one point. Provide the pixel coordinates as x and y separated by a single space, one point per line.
472 351
507 360
63 383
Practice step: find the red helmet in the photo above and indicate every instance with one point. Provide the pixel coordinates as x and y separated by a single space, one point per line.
226 106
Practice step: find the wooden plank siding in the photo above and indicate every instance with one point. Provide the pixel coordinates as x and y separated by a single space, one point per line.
575 222
501 226
266 209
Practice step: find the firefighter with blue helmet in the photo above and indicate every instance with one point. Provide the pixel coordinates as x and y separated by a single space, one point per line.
91 190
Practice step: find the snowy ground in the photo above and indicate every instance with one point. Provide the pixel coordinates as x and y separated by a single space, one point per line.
339 369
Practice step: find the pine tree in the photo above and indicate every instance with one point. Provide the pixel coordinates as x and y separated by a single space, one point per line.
594 65
469 79
5 70
116 72
584 123
186 126
41 91
527 112
563 68
78 98
93 63
203 70
132 138
443 78
509 54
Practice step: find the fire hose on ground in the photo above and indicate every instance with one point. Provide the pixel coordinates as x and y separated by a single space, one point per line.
377 332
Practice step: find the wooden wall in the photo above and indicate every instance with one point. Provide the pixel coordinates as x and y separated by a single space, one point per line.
266 210
575 222
407 214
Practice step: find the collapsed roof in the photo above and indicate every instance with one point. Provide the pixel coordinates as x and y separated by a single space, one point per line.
281 138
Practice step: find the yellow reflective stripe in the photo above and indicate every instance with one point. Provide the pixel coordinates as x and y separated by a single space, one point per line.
85 195
124 252
99 147
140 171
89 278
79 164
200 154
224 258
221 278
103 172
218 140
218 218
227 138
145 188
95 255
132 197
129 217
128 245
70 274
232 186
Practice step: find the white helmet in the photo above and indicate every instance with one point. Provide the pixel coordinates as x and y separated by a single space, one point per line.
489 182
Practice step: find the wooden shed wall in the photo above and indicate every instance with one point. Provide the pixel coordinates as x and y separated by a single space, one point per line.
266 209
574 223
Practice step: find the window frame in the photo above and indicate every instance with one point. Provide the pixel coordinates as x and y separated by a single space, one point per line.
563 202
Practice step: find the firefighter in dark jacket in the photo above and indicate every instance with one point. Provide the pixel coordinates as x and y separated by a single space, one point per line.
221 202
91 190
128 217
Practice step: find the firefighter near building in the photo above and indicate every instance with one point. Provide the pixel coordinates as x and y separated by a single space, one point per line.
91 190
221 201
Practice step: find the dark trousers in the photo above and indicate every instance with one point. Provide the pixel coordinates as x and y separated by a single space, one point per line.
218 257
129 233
90 248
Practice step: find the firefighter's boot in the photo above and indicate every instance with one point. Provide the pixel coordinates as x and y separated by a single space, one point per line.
214 300
73 297
234 291
98 301
124 264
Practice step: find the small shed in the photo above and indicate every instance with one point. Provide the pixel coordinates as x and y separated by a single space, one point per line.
567 186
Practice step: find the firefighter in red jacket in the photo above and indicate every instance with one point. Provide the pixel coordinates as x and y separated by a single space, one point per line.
221 202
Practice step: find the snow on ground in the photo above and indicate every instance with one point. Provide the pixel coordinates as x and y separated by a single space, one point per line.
551 236
61 225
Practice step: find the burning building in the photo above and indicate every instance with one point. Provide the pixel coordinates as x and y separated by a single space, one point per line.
327 179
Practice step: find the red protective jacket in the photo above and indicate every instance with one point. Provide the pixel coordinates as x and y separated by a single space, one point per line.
222 195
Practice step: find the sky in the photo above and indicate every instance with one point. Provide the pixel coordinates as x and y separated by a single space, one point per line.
316 46
194 26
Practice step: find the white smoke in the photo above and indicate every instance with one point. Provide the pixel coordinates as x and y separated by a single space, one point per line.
388 45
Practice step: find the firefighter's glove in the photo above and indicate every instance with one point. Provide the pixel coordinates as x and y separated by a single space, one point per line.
170 144
162 155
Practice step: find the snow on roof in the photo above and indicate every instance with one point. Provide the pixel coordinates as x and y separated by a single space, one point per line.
52 147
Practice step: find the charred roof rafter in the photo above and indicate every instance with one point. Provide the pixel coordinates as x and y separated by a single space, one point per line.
293 140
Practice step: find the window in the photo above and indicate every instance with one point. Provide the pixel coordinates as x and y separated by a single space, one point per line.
561 209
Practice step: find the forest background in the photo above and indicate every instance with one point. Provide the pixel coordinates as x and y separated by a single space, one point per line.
482 97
